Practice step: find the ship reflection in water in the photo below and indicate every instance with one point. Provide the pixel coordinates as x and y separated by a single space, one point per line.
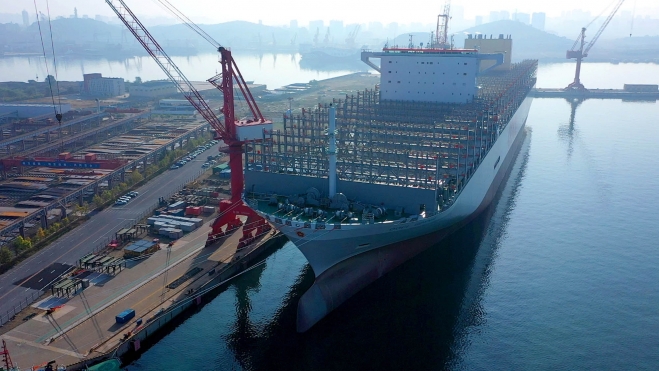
415 317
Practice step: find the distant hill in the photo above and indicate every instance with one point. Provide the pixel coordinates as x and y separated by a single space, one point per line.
76 29
235 34
528 42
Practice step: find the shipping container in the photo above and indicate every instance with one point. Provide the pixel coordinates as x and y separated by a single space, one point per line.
125 316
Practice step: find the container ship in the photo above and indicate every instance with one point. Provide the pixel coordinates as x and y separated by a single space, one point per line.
367 182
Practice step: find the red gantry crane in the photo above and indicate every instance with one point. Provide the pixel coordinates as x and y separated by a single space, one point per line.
235 133
583 50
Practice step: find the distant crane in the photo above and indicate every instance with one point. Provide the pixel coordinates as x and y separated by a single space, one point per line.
583 50
441 34
327 36
234 133
350 40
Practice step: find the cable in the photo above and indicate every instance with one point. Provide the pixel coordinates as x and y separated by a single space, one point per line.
45 58
631 29
194 27
58 116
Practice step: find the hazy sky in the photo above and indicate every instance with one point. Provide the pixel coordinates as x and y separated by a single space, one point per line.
351 11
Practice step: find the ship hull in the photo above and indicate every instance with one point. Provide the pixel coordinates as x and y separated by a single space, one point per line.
348 259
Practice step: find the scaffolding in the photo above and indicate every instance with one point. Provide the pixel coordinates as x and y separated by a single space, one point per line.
436 146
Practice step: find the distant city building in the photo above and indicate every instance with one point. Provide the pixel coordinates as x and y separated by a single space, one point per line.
95 85
538 20
75 12
523 17
376 28
457 13
392 29
316 25
336 29
501 15
153 89
479 20
26 19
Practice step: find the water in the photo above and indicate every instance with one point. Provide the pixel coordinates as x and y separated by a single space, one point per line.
274 70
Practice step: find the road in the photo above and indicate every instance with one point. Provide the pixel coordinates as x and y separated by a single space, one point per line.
19 283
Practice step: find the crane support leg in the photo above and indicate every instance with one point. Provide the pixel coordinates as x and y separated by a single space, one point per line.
229 221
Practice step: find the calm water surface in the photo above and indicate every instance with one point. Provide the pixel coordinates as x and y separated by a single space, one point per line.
275 70
559 274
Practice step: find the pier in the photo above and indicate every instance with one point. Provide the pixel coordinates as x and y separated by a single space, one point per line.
629 93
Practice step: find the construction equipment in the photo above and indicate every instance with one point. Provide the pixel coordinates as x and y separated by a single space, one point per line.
6 359
583 50
441 34
233 132
350 40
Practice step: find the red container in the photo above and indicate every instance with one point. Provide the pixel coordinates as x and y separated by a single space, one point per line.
191 210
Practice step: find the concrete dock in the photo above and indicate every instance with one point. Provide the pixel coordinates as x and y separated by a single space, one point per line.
595 94
84 328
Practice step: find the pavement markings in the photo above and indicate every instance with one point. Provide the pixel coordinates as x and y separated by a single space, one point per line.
40 346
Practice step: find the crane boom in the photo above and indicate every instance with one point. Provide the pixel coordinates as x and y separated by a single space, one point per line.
441 34
188 22
166 64
601 29
233 133
583 50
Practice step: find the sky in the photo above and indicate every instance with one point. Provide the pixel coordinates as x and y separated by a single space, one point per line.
273 12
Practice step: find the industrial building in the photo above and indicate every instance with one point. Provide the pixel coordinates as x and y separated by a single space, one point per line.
95 85
153 89
22 111
174 107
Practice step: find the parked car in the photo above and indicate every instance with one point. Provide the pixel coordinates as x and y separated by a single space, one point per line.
120 202
174 167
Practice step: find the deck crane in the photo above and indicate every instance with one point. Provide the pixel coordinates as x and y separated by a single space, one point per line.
233 132
583 50
441 34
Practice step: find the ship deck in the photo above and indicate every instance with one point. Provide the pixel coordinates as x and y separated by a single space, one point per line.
402 147
329 216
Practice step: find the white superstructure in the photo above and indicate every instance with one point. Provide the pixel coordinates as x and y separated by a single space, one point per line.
441 77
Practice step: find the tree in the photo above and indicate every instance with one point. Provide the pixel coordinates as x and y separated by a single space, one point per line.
50 79
21 244
136 177
138 80
5 255
41 234
97 200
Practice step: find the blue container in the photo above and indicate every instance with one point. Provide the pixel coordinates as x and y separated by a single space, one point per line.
125 316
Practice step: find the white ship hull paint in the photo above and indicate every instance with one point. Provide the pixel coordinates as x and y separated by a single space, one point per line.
348 259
